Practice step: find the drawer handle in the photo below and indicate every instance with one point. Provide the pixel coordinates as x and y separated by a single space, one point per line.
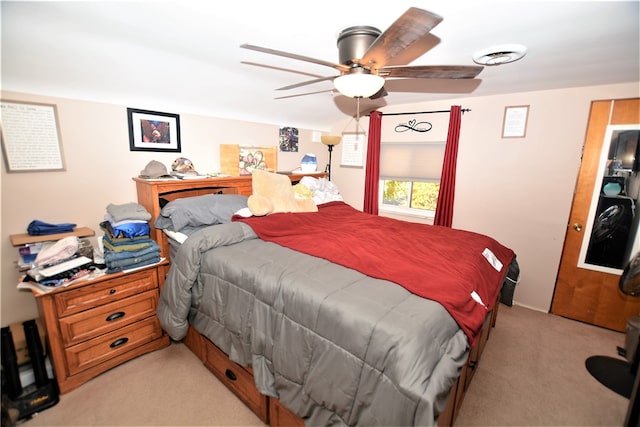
112 291
115 316
229 373
118 342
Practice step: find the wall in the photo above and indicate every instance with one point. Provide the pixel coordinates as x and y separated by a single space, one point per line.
518 191
99 167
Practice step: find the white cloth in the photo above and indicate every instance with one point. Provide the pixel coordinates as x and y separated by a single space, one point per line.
59 251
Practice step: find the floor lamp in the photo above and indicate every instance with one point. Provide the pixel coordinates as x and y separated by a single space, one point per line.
330 141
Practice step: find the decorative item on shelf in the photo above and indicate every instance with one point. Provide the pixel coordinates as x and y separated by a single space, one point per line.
309 163
236 160
612 189
330 141
184 168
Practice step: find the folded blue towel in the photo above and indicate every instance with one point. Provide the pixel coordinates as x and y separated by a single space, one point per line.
39 228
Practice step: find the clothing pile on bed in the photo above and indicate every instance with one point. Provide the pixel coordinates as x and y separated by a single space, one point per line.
322 190
127 242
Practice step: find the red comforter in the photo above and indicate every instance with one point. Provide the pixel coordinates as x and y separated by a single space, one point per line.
438 263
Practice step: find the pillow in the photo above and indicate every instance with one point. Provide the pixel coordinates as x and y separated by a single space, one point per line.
199 211
273 193
176 235
322 190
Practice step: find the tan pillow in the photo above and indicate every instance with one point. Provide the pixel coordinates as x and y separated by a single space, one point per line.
273 193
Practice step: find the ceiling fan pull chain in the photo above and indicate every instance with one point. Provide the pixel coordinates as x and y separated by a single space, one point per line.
357 115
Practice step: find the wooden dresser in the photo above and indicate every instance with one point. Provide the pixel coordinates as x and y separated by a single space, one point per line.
95 325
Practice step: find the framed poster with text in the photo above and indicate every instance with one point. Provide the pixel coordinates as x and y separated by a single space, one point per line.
31 137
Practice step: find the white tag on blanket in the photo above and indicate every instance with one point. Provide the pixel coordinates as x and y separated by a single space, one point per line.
495 262
477 299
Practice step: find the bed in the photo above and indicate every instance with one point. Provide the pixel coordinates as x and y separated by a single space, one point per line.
306 334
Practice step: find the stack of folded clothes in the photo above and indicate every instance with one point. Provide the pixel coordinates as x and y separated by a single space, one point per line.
59 263
127 242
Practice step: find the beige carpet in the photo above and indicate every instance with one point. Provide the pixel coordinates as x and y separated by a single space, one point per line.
532 374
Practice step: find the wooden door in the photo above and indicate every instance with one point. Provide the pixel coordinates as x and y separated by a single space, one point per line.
583 293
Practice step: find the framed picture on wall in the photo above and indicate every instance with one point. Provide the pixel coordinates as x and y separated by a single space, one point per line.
352 149
30 137
514 124
153 131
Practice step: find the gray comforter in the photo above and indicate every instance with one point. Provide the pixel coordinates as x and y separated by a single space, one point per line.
335 346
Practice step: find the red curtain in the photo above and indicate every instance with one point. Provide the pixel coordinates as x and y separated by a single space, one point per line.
444 209
372 178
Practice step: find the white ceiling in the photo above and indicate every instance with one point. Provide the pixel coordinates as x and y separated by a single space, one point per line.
184 56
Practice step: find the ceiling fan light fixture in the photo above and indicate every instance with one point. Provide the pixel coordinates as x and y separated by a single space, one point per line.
358 85
500 54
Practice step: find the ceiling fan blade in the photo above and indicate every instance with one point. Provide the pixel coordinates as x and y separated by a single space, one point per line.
417 86
350 108
342 68
304 94
380 94
415 51
409 28
271 67
432 71
308 82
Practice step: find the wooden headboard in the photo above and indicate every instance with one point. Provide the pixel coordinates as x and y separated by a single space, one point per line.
151 192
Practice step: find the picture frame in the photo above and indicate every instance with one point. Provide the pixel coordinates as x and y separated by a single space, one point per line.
353 144
514 123
288 139
31 140
153 131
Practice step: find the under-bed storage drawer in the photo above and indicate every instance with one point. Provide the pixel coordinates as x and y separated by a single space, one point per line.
279 416
237 379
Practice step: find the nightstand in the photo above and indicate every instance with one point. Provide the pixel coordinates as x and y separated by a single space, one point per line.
95 325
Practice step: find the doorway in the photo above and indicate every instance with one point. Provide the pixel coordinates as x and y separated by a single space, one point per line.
602 233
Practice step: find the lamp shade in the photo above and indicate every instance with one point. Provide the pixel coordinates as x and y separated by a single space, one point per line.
358 85
331 139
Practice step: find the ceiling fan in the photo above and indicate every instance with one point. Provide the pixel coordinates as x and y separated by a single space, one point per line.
367 55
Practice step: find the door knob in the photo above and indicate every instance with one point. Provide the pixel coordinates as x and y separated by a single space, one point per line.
577 226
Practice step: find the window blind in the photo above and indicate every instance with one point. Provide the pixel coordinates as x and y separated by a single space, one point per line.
411 160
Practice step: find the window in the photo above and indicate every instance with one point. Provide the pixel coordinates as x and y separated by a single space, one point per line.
410 194
410 177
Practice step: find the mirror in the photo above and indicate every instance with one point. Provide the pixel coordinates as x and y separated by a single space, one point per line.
611 233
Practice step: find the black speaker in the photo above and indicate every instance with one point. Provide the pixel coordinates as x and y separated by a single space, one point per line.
36 354
611 232
35 397
11 373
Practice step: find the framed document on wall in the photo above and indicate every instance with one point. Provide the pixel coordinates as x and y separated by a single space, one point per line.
31 137
352 149
514 124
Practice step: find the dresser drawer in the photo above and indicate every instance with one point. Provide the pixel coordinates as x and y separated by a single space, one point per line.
93 352
77 300
237 379
106 318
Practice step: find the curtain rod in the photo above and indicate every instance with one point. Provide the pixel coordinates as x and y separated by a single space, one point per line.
464 110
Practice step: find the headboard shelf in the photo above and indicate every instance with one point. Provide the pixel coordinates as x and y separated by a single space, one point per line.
151 191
